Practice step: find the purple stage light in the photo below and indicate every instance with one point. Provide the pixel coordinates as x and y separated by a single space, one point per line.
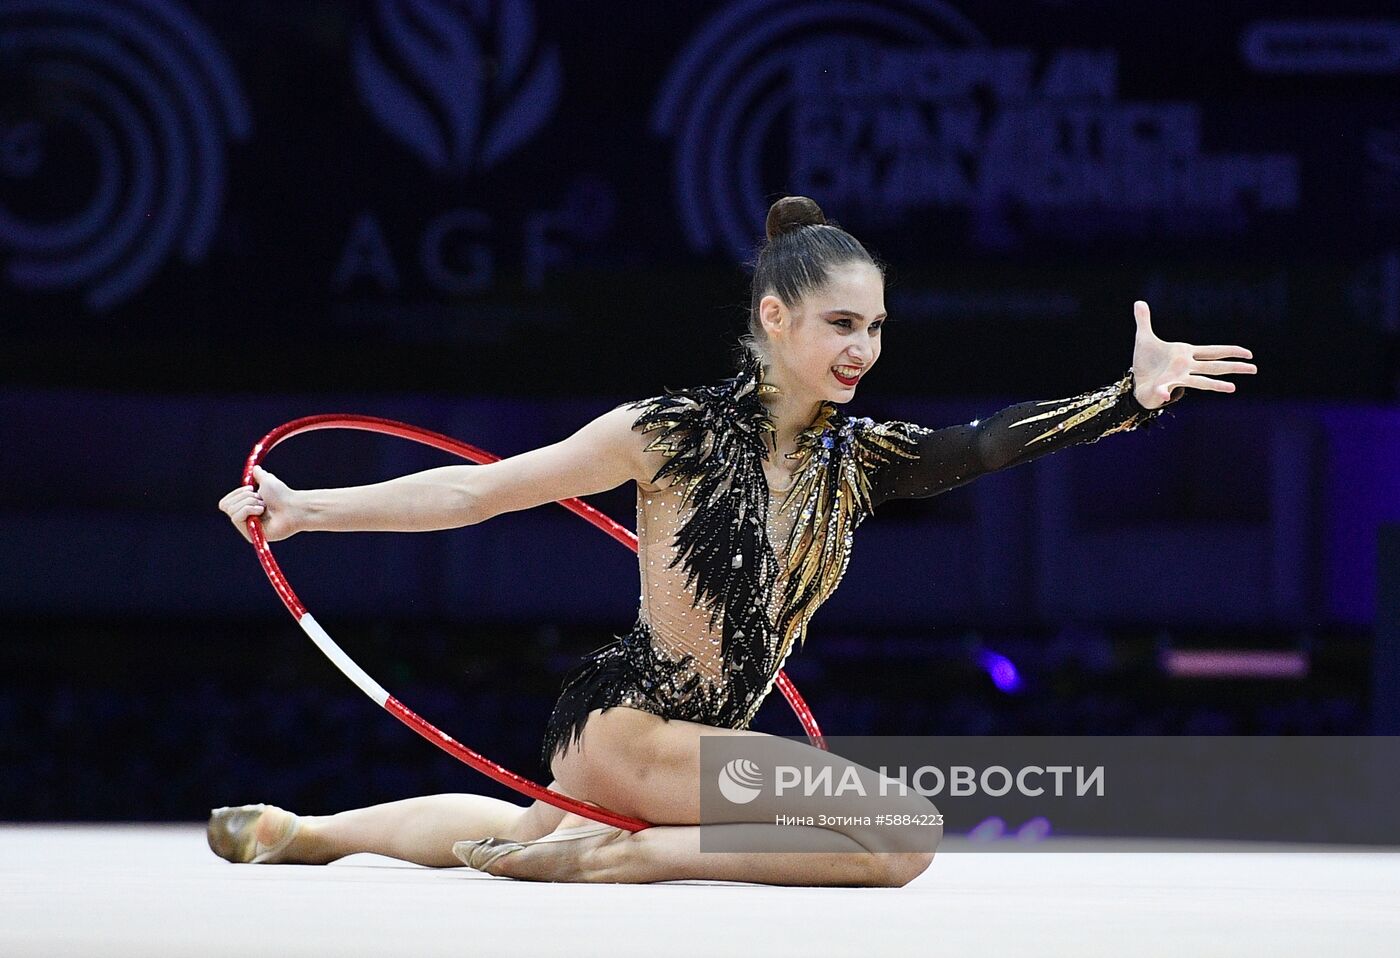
1002 670
1034 830
987 830
1235 664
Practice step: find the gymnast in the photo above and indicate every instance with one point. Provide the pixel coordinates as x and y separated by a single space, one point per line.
748 493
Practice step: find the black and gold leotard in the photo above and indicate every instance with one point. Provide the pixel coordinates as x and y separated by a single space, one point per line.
732 570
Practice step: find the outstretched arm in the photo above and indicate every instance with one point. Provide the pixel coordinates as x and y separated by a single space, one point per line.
950 457
602 455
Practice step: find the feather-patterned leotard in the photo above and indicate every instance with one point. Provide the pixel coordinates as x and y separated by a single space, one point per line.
732 570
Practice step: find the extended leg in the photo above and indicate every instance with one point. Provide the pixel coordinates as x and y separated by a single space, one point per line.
419 830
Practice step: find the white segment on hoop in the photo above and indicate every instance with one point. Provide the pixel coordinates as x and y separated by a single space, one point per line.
353 672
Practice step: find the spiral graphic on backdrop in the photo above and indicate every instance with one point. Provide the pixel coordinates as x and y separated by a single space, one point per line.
462 84
113 148
725 99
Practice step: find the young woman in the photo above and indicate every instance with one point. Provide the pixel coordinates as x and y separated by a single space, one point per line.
748 493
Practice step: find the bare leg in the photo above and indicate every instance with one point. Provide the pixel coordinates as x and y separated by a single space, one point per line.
635 763
419 830
672 853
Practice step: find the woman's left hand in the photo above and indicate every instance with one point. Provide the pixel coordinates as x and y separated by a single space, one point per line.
1162 371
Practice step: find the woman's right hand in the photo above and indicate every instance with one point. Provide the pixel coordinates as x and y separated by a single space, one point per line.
272 502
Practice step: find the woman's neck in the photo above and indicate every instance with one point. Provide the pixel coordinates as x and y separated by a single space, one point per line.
790 412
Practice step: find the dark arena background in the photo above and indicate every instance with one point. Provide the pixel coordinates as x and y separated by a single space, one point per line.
497 219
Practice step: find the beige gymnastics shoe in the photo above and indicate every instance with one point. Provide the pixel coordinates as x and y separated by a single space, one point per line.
484 853
233 835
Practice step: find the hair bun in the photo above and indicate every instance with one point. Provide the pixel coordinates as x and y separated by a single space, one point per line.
792 213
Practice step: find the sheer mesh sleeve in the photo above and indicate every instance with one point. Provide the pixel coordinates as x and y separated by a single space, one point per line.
949 457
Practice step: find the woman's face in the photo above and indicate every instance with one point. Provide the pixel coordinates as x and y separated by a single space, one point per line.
824 345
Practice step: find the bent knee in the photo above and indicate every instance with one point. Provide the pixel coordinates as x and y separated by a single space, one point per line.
900 868
897 869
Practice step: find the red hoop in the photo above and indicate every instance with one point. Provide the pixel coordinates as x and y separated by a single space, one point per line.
372 688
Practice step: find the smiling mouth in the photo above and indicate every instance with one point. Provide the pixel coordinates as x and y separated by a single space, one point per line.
847 375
